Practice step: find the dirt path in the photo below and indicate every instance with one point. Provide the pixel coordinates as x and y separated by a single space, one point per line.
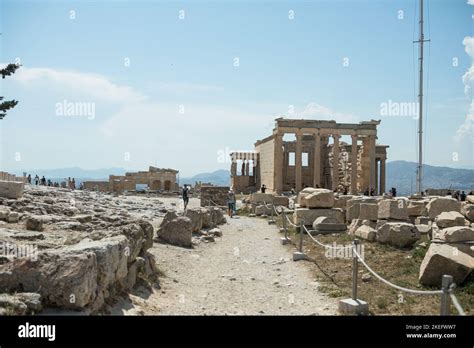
246 272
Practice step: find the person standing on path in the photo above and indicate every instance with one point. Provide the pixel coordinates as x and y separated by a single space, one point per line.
231 202
185 196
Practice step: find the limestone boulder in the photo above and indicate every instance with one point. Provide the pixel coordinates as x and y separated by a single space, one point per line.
341 201
217 216
416 208
393 209
261 197
441 259
398 234
353 206
178 231
467 210
4 214
309 215
11 189
34 223
206 218
470 199
450 219
65 279
439 205
366 232
316 198
196 217
456 234
13 217
324 225
368 211
281 200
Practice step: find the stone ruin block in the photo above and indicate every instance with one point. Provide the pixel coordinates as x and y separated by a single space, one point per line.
467 210
393 209
441 204
398 234
416 208
353 206
11 189
450 219
326 225
214 195
281 200
309 215
368 211
261 197
316 198
441 259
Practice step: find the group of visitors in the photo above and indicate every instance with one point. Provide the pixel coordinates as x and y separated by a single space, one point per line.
459 195
37 181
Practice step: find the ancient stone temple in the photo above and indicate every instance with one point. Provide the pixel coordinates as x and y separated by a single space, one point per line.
154 178
317 158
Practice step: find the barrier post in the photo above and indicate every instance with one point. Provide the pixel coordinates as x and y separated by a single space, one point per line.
299 255
353 305
446 282
355 269
301 236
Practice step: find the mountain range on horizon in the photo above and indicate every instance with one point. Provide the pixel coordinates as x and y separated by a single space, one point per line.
400 174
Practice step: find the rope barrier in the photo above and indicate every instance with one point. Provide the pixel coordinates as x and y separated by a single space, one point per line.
318 242
419 292
292 224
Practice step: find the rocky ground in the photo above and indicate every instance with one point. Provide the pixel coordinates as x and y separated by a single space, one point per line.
246 272
96 253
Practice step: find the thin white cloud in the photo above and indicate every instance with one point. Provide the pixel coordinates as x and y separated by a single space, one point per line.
95 85
316 111
466 129
470 2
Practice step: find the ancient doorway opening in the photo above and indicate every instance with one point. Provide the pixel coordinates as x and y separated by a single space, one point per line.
167 185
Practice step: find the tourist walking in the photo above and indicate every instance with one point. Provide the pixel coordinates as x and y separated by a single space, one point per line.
263 188
231 202
185 196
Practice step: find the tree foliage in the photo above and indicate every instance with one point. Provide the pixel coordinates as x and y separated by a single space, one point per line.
8 104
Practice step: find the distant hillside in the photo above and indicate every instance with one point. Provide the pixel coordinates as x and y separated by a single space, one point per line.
219 177
402 175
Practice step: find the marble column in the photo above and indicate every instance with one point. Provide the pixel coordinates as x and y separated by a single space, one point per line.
278 164
335 162
317 160
371 144
298 161
247 168
354 164
382 175
376 187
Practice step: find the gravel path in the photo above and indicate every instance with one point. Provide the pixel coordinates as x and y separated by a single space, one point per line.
246 272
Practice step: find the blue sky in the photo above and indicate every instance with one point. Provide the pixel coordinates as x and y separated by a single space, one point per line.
182 102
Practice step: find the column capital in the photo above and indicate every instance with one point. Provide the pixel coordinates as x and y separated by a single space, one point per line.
354 136
336 135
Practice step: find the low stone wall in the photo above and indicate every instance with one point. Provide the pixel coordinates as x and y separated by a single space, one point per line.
214 195
4 176
101 186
